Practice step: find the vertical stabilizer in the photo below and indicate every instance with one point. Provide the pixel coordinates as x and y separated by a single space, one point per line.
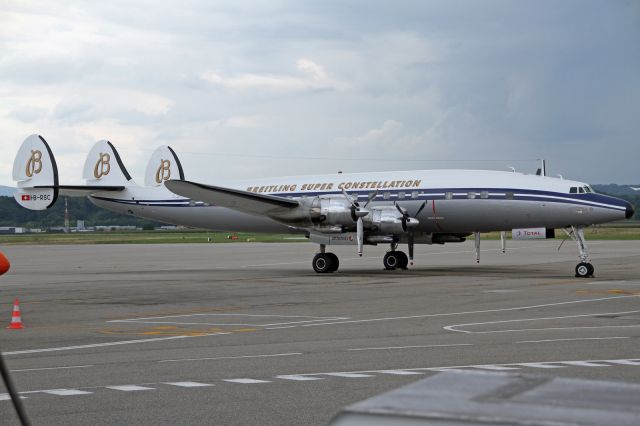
104 167
36 174
162 166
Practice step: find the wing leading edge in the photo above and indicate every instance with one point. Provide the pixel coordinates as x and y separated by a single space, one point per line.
244 201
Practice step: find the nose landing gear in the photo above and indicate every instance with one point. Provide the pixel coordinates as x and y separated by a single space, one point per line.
584 269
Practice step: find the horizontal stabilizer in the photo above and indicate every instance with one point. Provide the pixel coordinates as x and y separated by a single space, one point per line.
81 190
247 202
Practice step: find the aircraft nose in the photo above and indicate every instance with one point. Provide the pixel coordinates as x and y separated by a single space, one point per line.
629 211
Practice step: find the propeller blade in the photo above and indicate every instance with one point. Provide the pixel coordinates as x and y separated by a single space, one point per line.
424 204
360 235
402 211
411 248
373 195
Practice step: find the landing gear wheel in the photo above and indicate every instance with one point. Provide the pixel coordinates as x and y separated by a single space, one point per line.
584 270
334 261
403 260
391 260
322 263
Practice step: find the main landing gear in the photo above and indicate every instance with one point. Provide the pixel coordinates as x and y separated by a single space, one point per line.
584 269
395 259
325 262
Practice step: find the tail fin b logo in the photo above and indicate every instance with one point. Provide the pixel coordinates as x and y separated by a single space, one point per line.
34 163
164 171
102 167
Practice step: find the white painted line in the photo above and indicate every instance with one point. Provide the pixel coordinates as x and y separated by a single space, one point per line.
540 365
7 397
349 375
188 384
129 388
518 308
99 345
66 392
625 361
455 327
399 372
495 367
231 357
410 347
298 378
585 364
245 381
572 339
51 368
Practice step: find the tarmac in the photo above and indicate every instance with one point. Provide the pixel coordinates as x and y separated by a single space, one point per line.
248 334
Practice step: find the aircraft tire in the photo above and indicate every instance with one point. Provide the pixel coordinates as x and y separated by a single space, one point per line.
403 260
391 260
322 263
584 270
335 262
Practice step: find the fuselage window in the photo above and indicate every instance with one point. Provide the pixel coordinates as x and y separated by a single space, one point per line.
372 195
573 190
414 194
471 195
448 195
484 194
387 195
401 195
508 195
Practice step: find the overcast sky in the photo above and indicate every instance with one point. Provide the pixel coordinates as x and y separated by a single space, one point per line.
268 88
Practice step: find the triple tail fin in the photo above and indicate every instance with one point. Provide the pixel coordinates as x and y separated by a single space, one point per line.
162 166
36 173
103 167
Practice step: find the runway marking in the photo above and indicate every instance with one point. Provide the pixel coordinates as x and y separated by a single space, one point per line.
518 308
585 364
231 357
246 381
455 327
66 392
188 384
495 367
298 378
153 320
624 361
51 368
98 345
308 377
540 365
7 397
410 347
572 339
349 375
129 388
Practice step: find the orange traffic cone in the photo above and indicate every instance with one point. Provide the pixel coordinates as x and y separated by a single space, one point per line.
16 320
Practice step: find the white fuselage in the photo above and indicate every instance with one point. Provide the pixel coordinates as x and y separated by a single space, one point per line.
457 201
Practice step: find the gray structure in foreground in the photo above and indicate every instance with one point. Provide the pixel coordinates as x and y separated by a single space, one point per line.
479 398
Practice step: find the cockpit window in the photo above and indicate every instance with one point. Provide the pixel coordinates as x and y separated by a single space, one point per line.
581 190
588 189
573 190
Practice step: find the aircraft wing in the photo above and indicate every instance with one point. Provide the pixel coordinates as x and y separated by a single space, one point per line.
244 201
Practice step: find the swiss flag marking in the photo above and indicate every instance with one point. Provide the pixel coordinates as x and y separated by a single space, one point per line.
26 197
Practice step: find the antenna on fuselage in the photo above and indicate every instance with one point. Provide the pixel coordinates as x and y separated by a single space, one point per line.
542 171
513 169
